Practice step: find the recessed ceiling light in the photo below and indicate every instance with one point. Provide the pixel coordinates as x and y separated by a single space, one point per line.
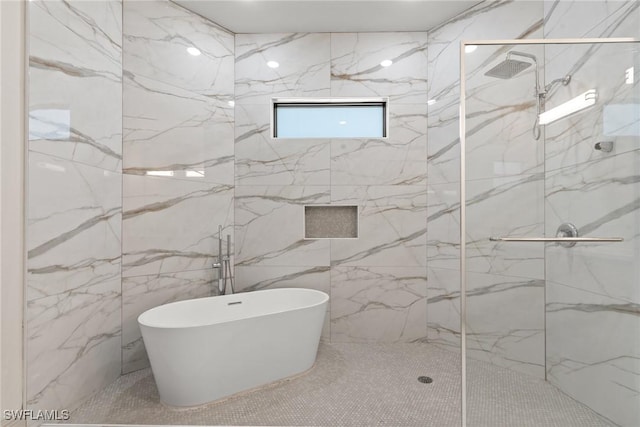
386 63
193 51
272 64
470 48
432 101
342 122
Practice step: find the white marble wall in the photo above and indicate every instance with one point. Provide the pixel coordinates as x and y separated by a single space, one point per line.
505 283
377 282
178 159
593 299
73 292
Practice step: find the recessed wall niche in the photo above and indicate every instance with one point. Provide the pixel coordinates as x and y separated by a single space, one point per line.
330 222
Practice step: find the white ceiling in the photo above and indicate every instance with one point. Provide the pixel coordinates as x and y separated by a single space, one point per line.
284 16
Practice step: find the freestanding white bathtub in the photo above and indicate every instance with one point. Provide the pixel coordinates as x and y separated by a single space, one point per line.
202 350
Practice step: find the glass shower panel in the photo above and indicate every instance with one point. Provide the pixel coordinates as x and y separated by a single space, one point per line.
552 329
592 180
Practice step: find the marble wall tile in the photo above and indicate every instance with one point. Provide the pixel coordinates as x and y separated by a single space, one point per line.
592 300
378 304
356 69
304 66
572 19
593 353
398 160
141 293
255 278
73 295
392 226
510 206
571 140
75 54
269 226
602 199
156 37
171 225
443 308
502 110
73 344
443 225
516 19
173 130
506 323
261 160
73 223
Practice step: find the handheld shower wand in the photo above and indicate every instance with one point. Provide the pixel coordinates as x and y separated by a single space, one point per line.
221 272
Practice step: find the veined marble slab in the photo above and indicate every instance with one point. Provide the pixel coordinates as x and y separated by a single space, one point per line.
177 132
74 226
75 57
356 69
378 304
398 160
171 225
304 66
157 35
261 160
269 223
392 226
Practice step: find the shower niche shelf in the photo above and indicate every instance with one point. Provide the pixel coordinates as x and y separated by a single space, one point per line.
331 222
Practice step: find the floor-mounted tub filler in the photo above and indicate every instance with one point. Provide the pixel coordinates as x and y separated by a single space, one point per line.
206 349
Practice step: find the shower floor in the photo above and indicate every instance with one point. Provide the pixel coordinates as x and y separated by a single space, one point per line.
358 385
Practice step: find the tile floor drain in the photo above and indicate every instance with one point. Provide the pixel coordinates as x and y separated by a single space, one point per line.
426 380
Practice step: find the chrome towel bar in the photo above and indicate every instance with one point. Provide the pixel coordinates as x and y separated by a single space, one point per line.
557 239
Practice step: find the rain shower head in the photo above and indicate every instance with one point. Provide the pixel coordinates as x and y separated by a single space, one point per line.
508 68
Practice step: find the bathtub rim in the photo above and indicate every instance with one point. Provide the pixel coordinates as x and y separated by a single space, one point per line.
324 300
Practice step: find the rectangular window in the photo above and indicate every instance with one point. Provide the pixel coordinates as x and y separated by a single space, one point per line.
329 118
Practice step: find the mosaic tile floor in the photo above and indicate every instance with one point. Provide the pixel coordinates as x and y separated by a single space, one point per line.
359 385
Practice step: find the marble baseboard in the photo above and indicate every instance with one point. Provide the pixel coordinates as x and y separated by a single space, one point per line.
378 304
141 293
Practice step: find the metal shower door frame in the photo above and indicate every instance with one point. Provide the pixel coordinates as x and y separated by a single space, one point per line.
463 164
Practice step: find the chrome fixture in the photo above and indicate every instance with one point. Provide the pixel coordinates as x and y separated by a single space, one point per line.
223 264
606 146
566 236
509 68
